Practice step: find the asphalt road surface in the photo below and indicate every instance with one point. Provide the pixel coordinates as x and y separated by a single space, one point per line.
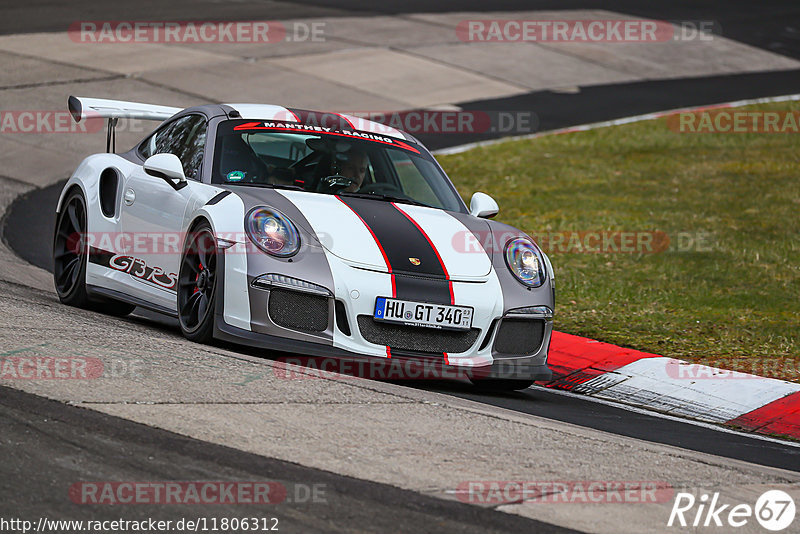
31 220
48 445
773 25
28 224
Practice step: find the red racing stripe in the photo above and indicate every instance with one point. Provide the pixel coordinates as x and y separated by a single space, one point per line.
418 272
374 237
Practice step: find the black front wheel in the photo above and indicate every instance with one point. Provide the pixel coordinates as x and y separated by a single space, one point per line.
197 283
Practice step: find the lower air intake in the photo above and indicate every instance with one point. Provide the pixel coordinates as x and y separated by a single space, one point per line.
415 338
519 336
298 311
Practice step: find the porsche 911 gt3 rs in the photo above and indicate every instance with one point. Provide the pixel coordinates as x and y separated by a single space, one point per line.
317 233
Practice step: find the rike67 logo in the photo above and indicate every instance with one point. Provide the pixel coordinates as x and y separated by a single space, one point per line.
774 510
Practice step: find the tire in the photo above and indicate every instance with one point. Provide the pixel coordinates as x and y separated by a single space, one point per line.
197 285
502 385
70 256
70 252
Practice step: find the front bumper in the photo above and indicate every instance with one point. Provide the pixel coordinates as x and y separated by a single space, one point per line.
348 331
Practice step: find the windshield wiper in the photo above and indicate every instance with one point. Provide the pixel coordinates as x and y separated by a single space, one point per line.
268 186
386 198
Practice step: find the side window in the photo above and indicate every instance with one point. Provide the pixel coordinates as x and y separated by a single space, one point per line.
194 148
186 138
150 145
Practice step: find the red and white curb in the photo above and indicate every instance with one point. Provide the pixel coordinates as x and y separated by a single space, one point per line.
674 387
665 385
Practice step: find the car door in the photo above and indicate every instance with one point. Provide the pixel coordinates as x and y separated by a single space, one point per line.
153 210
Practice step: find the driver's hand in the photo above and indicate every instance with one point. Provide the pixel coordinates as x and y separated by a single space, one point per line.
335 183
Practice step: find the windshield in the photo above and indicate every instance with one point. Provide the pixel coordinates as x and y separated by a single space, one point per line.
283 155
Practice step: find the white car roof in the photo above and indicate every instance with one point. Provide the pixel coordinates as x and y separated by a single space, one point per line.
266 112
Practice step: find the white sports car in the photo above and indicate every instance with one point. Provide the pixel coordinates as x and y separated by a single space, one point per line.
317 233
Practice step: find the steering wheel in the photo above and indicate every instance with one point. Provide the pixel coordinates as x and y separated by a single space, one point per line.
335 182
382 189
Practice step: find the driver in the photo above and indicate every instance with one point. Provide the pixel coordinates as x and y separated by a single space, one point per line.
354 167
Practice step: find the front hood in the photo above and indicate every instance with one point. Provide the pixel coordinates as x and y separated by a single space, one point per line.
380 235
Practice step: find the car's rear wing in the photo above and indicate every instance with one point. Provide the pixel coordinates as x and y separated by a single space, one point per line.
85 108
81 107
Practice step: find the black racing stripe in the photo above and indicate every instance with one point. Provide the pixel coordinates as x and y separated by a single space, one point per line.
401 242
419 289
318 118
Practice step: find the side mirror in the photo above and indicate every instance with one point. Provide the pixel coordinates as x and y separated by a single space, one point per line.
483 206
167 167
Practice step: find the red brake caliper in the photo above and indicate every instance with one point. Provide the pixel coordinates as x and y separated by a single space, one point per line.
196 278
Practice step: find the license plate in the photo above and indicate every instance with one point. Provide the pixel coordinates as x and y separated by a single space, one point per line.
423 314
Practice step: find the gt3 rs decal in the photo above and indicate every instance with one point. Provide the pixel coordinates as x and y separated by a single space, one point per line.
135 267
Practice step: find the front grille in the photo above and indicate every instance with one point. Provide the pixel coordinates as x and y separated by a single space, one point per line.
416 338
298 311
519 336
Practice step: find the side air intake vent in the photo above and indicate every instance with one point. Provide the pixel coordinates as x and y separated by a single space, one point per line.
109 181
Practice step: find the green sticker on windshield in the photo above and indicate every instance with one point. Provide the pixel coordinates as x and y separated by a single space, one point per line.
235 176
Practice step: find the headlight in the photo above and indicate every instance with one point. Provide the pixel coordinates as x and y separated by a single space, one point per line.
525 262
272 232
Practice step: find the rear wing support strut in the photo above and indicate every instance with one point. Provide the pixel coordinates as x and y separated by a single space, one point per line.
111 135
